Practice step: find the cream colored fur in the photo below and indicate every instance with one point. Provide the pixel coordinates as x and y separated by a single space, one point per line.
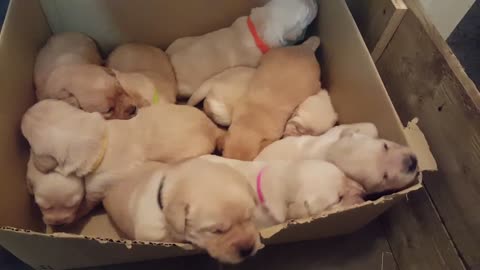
285 78
85 145
209 205
223 91
144 72
296 189
378 165
314 116
196 59
62 50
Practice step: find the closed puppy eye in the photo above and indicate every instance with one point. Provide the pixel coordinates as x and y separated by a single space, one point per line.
385 176
219 230
110 110
385 146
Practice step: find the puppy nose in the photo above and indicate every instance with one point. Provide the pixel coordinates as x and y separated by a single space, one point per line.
131 110
411 163
246 251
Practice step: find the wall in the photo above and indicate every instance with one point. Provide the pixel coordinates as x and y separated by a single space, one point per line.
446 14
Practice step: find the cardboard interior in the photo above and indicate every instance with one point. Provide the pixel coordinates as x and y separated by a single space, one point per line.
348 72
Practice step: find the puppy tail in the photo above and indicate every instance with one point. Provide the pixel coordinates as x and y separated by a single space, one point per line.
201 93
313 43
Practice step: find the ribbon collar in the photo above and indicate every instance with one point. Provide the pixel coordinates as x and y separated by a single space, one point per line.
261 198
264 48
99 160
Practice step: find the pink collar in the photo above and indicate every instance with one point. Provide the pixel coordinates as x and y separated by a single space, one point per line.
259 185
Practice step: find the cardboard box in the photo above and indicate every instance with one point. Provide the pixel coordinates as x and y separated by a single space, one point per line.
347 71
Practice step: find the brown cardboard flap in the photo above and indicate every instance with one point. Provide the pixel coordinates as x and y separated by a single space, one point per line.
40 250
24 32
349 73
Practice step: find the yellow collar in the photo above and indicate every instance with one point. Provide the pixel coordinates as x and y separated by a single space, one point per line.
155 97
101 155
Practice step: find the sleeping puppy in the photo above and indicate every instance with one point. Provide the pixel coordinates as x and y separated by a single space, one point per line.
78 144
278 23
290 190
378 165
285 78
63 49
91 88
145 72
314 116
223 91
209 205
58 197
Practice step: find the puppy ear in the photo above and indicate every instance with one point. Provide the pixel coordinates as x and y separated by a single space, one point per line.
176 216
65 95
44 163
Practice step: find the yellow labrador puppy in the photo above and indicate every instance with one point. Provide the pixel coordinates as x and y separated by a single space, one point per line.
285 78
314 116
57 196
72 142
64 49
378 165
290 190
222 93
91 88
145 72
209 205
278 23
68 68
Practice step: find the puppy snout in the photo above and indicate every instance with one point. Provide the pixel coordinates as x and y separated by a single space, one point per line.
410 163
131 110
246 251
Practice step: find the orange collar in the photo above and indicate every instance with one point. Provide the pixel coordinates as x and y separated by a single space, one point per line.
264 48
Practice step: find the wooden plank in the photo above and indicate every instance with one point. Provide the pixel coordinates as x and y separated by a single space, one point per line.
425 80
377 20
417 236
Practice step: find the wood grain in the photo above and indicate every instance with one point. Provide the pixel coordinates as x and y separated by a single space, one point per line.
417 237
424 80
377 20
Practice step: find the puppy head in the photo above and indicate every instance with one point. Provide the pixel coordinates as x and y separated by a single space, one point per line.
378 165
211 205
284 22
57 196
118 103
243 144
63 137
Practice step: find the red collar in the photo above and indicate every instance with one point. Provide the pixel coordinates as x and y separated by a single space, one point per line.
264 48
261 198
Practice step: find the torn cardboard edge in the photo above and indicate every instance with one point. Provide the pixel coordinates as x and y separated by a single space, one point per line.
419 144
265 233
